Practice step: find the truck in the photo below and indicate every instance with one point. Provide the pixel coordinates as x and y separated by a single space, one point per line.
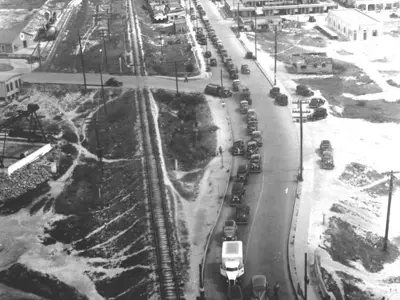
242 214
217 90
244 107
238 191
252 148
232 267
255 163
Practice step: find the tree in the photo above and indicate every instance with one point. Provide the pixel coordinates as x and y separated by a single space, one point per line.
189 68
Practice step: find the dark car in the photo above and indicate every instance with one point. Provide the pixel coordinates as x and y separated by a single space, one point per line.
325 146
245 69
259 285
207 54
316 102
229 231
318 114
213 62
281 99
235 292
113 82
202 42
274 91
238 191
243 173
193 17
304 91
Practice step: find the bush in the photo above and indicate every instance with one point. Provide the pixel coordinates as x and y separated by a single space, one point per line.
163 96
361 103
189 68
69 134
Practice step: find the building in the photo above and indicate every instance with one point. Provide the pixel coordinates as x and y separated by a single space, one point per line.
180 25
14 39
312 63
175 12
371 5
247 8
354 24
10 86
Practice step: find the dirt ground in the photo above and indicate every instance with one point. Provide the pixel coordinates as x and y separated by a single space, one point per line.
67 59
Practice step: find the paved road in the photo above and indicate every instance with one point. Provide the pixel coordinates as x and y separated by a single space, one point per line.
269 194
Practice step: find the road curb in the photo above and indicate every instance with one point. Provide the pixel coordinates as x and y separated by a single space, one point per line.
211 233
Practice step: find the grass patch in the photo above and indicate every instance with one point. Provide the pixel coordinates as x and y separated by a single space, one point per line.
179 119
351 291
66 60
117 136
359 175
346 246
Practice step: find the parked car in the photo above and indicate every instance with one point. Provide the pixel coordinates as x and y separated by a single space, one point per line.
213 62
304 90
259 287
281 99
249 55
193 17
318 114
229 231
243 173
311 19
316 102
274 91
207 54
113 82
325 146
245 69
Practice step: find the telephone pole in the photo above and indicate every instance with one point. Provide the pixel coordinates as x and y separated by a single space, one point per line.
40 57
255 35
82 60
305 276
388 212
276 52
105 50
176 78
238 18
300 176
222 83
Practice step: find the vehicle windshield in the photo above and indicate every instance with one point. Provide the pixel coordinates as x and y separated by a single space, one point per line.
231 269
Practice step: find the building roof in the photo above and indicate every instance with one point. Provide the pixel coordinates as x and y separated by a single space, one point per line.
309 58
354 16
4 76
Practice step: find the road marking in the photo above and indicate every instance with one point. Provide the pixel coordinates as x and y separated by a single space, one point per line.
286 190
255 213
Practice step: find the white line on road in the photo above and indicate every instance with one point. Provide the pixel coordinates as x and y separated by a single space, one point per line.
255 213
286 190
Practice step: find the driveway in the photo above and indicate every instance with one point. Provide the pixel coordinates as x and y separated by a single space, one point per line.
270 194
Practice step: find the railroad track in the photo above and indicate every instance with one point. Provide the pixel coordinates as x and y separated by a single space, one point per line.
168 278
137 62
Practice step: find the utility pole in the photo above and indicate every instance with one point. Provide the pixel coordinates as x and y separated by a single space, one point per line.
388 212
222 83
174 27
305 276
102 90
300 176
162 44
108 25
206 46
276 52
238 17
176 78
82 60
40 57
255 34
105 50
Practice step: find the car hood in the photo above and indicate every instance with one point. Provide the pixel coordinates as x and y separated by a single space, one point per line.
229 232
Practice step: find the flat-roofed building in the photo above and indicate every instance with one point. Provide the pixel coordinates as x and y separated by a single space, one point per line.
354 24
10 86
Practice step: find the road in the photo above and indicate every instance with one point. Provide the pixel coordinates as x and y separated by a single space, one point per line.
270 194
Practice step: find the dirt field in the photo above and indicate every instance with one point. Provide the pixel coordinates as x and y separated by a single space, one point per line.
67 58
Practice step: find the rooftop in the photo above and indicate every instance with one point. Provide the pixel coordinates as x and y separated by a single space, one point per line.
310 59
355 16
4 76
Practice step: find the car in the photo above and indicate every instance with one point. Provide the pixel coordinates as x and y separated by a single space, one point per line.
202 42
193 17
229 231
281 99
213 62
327 160
304 91
259 287
316 102
245 69
249 55
207 54
243 173
113 82
325 146
311 19
274 91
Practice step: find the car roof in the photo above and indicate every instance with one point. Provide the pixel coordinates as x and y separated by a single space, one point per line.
251 142
259 280
238 185
256 132
230 222
257 155
242 167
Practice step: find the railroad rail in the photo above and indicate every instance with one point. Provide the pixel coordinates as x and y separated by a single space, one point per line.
168 278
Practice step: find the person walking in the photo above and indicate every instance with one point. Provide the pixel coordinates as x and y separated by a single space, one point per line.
186 78
276 288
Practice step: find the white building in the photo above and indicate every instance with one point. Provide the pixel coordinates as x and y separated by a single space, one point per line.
10 86
354 24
